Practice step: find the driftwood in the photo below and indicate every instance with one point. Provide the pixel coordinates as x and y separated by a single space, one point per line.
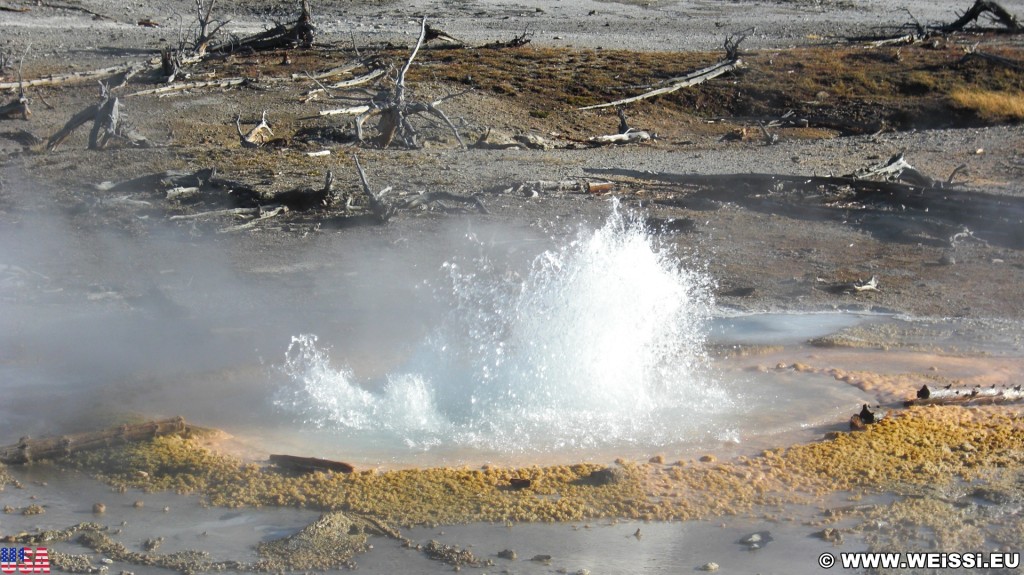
731 62
28 450
310 464
966 396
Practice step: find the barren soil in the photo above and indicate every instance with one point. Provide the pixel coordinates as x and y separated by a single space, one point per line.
857 106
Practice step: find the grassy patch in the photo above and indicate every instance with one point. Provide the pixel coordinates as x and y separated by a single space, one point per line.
991 105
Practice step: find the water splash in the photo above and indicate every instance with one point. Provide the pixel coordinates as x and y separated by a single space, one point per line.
598 343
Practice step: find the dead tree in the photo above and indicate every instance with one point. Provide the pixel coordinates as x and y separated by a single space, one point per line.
108 123
1000 14
395 109
298 34
206 27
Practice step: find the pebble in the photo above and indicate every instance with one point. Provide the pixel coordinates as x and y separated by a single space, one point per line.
711 566
99 508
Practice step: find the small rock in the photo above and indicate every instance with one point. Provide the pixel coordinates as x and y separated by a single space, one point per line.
659 459
545 559
139 504
152 544
710 566
708 458
99 508
606 476
507 554
832 535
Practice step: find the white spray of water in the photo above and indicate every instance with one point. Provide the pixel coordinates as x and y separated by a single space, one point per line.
599 343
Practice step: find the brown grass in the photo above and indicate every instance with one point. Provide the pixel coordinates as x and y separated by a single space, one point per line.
991 105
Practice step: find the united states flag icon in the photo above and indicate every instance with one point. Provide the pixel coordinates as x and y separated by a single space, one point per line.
24 560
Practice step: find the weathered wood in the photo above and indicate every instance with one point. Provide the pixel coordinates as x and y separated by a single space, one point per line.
28 450
982 7
264 213
359 80
259 135
225 83
76 121
966 396
731 62
382 211
427 199
974 54
298 34
77 77
627 138
310 464
106 125
214 213
16 108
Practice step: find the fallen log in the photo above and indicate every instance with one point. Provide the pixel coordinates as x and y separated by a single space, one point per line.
427 199
966 396
731 62
78 77
28 450
310 464
535 187
626 138
225 83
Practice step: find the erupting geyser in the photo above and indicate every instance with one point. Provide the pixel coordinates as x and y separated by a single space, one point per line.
597 344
